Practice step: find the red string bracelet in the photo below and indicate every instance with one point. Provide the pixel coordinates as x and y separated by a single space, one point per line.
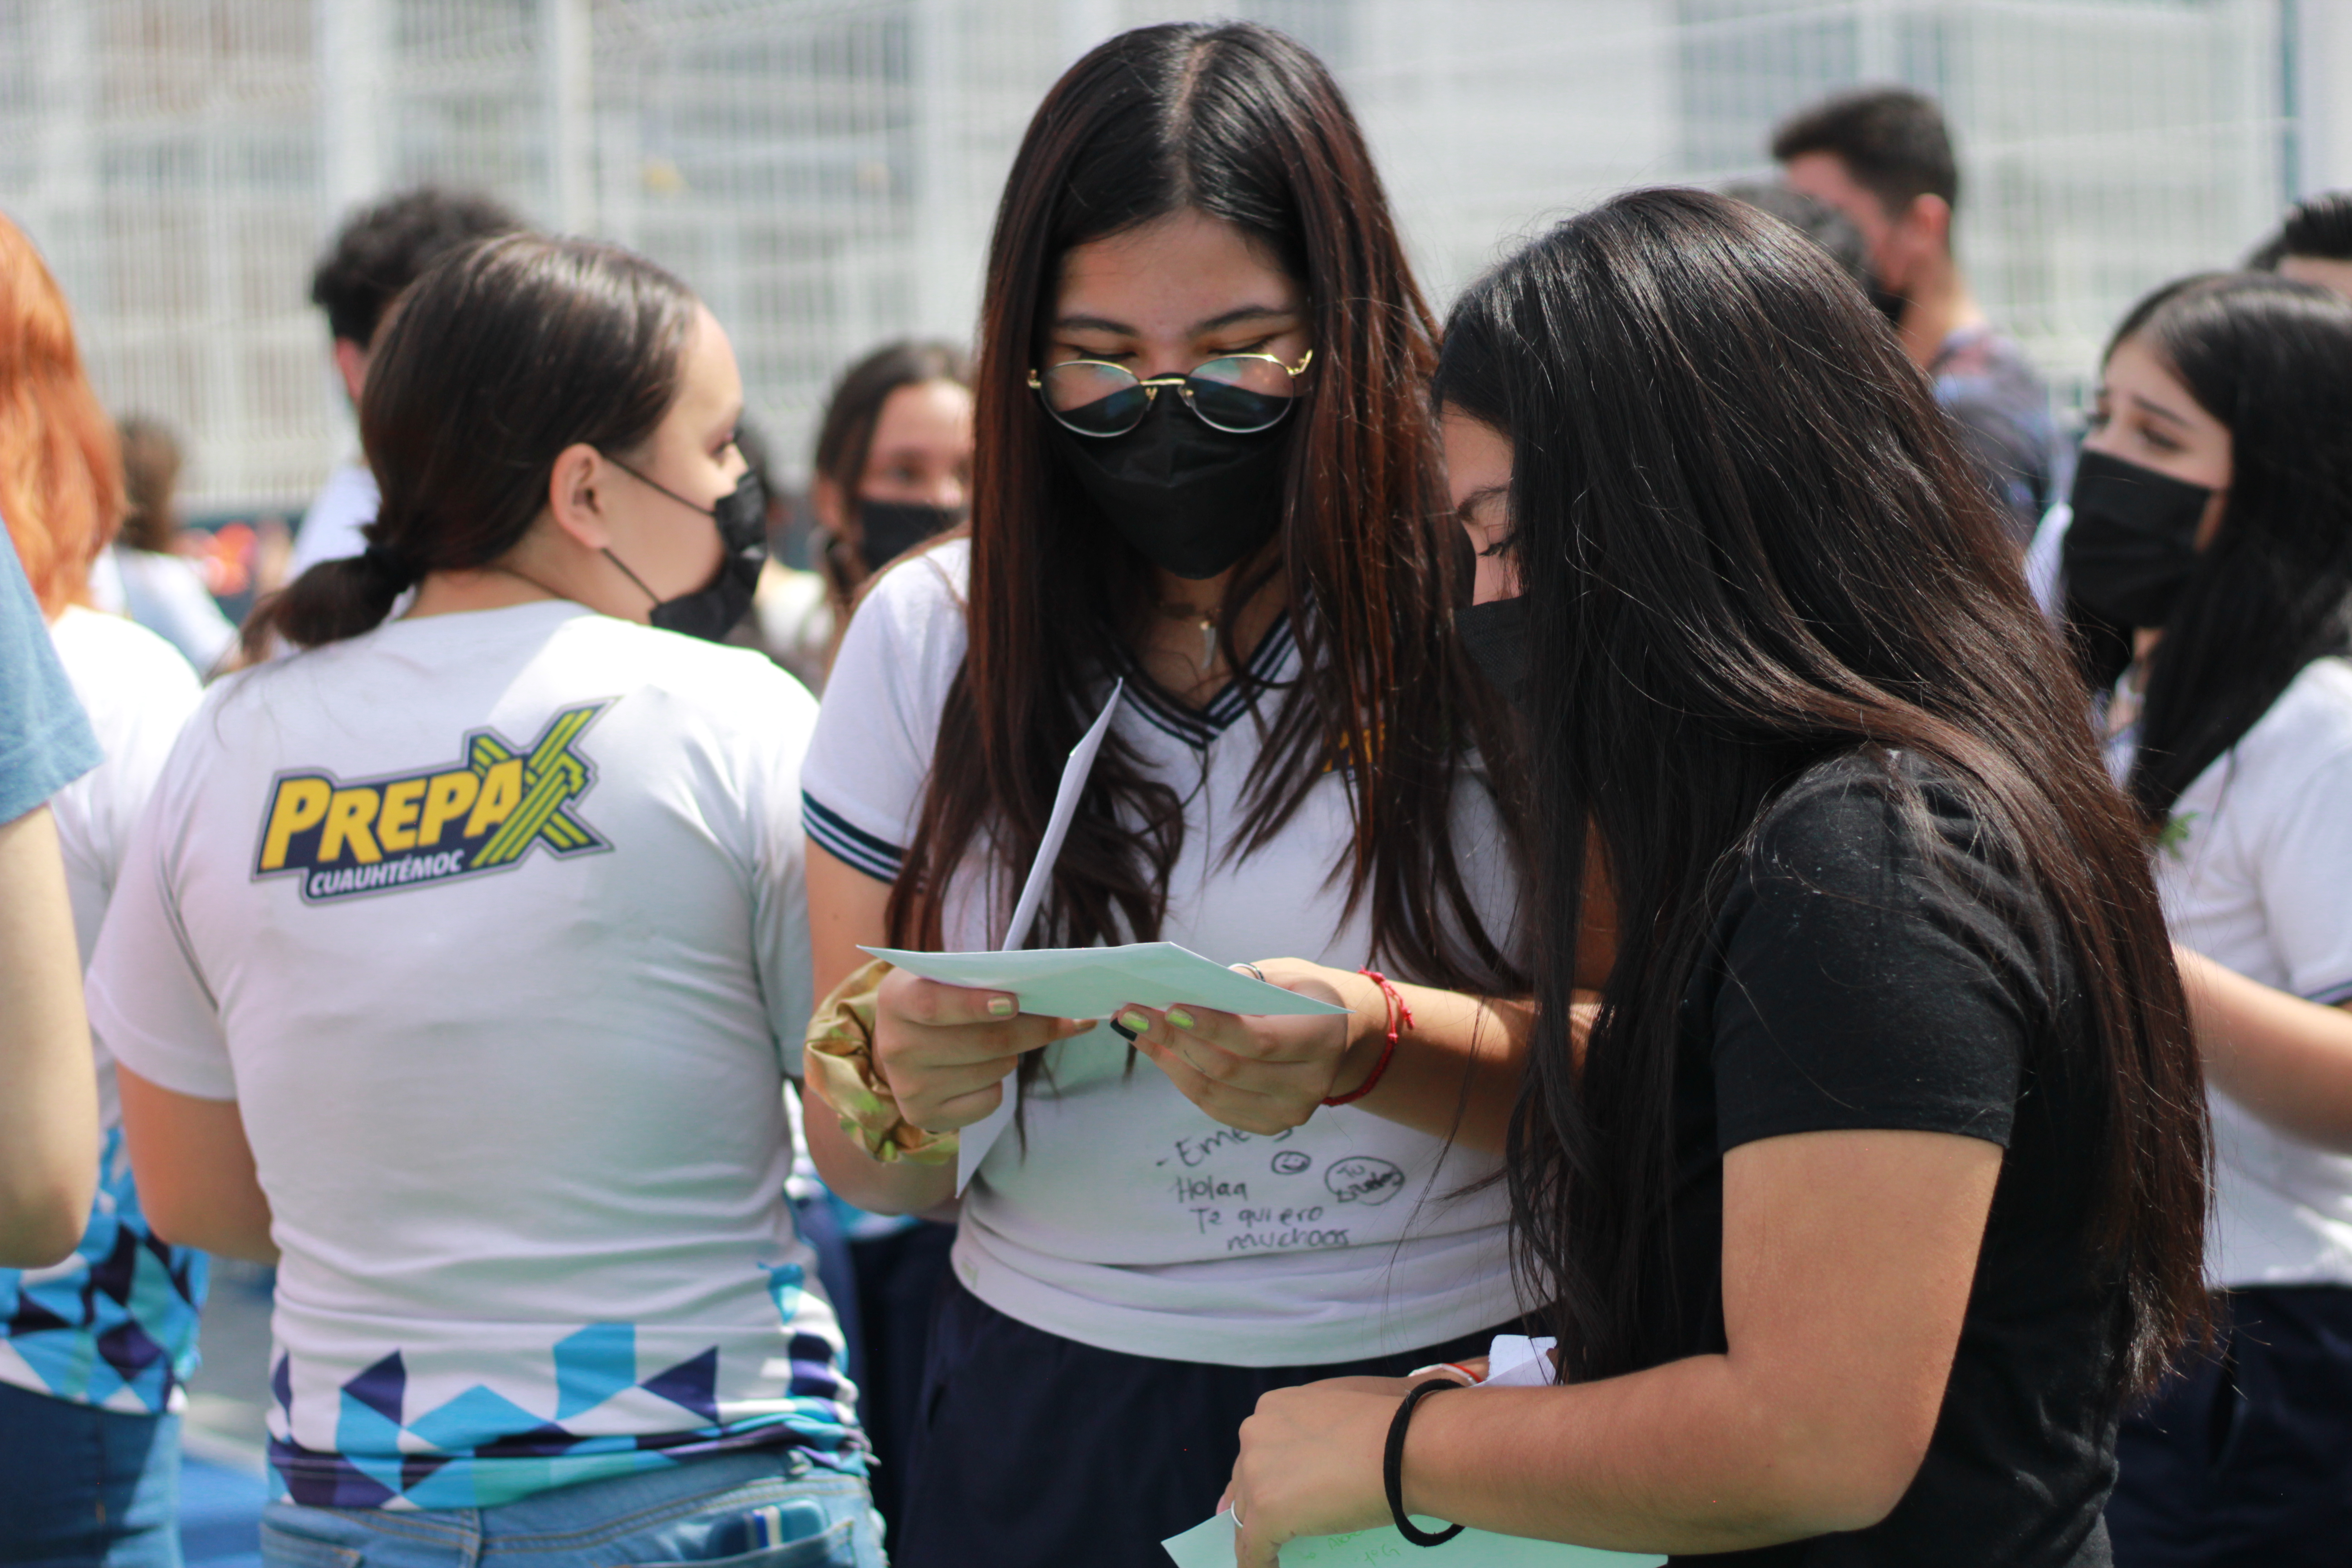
1400 1020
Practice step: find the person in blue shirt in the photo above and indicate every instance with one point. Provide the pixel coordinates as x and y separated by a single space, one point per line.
48 1103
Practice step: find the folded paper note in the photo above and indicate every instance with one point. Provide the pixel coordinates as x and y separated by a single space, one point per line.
1513 1361
1094 982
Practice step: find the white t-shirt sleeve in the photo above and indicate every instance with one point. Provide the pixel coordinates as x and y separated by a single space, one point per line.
138 692
331 526
780 883
2302 867
862 786
149 1003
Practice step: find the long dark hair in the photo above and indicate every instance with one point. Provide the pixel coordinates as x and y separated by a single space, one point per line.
1244 125
2272 360
845 436
1749 543
500 356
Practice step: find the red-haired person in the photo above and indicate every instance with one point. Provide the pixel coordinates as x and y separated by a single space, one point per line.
93 1350
1205 464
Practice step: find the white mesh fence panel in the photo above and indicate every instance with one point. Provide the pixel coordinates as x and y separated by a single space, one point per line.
825 171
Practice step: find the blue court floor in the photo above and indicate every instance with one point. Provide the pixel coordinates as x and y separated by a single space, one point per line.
222 1488
220 1514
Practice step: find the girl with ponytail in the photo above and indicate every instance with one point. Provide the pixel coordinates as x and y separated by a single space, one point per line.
460 965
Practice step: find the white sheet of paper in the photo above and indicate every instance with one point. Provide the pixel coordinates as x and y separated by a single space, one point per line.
1514 1361
977 1140
1075 774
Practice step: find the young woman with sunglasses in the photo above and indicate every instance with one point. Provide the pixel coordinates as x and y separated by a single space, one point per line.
1875 1184
1206 465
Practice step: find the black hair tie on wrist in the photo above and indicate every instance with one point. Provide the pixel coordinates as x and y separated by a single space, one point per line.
1392 1466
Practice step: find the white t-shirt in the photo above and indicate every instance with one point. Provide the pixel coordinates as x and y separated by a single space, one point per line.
138 692
166 595
494 926
1135 1221
331 526
2256 871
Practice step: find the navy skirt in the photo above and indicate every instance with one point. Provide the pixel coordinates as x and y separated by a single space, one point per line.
1034 1451
2244 1458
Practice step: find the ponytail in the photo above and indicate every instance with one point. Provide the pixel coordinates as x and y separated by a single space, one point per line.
504 354
332 601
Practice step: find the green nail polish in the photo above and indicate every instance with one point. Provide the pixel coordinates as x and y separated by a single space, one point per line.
1180 1018
1135 1020
1003 1006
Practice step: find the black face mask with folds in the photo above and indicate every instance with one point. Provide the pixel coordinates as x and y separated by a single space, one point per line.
2132 545
888 529
1195 501
715 609
1495 634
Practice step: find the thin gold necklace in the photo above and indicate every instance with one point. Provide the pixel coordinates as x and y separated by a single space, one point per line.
1206 620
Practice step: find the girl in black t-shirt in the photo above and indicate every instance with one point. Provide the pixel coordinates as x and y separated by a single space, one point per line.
1873 1180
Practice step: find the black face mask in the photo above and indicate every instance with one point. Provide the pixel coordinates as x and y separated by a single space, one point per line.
888 529
1193 499
1890 304
712 611
2132 546
1495 633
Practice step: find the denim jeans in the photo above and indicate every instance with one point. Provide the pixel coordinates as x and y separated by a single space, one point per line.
771 1508
85 1488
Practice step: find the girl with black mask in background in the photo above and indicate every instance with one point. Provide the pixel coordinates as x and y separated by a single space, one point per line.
2213 515
1876 1183
1205 465
892 471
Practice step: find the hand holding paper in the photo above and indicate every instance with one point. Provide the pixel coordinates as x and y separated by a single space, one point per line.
1081 982
1513 1361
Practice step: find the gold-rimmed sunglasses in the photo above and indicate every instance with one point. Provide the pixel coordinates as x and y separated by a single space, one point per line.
1238 393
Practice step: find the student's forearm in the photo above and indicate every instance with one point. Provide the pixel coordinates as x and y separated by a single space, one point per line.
856 1177
1690 1456
1456 1069
194 1165
2287 1060
48 1091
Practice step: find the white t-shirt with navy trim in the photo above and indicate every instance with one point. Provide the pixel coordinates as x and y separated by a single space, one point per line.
1133 1221
2256 871
494 925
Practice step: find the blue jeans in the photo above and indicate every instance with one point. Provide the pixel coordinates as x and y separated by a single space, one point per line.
85 1488
771 1508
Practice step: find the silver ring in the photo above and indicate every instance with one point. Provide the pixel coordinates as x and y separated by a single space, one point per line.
1257 974
1237 1514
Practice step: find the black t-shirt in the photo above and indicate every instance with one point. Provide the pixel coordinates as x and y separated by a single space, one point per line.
1871 971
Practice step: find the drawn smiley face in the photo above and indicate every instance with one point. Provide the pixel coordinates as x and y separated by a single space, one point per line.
1291 1163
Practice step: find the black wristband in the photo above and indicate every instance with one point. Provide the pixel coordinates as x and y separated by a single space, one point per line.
1392 1466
